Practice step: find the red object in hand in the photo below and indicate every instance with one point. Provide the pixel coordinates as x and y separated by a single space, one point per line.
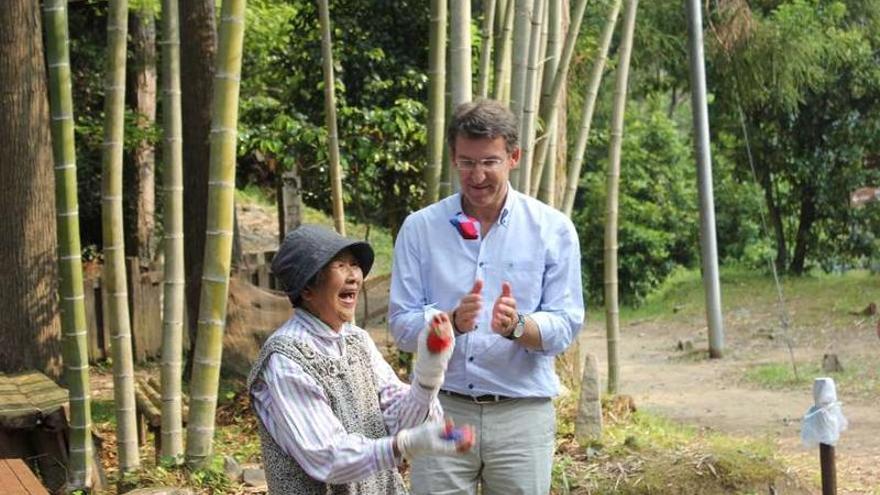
462 436
439 338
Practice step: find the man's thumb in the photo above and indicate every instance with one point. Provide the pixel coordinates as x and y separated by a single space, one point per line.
478 287
505 289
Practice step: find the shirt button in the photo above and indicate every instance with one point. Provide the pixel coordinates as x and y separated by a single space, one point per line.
470 385
482 263
471 359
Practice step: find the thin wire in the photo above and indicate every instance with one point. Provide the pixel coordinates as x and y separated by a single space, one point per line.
783 311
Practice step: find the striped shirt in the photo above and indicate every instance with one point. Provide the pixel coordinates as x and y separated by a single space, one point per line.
297 414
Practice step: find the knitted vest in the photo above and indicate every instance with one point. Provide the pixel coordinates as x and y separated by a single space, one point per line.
349 384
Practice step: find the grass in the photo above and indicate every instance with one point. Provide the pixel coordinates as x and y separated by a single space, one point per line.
378 237
860 377
840 294
641 453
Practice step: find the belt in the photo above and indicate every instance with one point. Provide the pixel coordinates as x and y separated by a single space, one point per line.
479 399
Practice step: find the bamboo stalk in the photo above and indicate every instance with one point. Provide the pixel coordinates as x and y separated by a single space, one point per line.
436 101
530 106
486 48
73 313
173 304
115 277
548 113
574 171
520 63
503 60
460 52
612 309
330 115
218 239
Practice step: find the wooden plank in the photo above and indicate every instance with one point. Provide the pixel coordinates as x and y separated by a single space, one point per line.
133 272
95 351
151 311
17 479
26 397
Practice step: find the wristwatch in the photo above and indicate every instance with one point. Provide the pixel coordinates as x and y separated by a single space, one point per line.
518 329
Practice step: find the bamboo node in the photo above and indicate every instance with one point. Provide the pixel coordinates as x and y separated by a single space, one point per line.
77 368
65 116
71 213
229 76
65 166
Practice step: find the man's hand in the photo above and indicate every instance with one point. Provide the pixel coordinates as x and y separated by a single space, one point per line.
504 311
468 310
433 438
430 367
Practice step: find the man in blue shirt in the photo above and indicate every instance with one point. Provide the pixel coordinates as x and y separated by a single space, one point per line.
506 269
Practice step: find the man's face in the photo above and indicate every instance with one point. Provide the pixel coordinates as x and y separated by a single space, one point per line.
483 169
334 298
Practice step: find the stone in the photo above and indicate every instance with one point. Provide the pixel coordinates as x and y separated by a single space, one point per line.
686 345
232 468
588 423
253 477
831 364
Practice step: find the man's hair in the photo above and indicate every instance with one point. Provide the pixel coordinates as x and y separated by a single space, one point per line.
483 119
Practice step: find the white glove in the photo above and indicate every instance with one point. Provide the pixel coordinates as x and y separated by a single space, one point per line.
430 368
427 438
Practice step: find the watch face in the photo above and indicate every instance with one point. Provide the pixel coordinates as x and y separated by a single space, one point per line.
520 327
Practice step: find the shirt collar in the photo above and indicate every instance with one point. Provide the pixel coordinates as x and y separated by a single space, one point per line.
506 210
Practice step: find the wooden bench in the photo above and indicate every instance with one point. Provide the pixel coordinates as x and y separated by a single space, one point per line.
148 401
17 479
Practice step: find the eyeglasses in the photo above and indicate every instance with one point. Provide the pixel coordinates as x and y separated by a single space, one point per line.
486 163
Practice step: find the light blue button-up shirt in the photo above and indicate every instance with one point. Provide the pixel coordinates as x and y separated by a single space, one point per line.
534 247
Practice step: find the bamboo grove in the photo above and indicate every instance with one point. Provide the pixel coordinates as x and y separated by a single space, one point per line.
526 50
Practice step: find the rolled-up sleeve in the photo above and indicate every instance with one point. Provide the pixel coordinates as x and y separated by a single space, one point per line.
561 313
403 406
406 306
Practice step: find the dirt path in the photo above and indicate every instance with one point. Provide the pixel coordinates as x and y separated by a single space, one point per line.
706 394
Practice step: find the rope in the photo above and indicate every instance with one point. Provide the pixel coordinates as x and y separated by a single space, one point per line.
783 311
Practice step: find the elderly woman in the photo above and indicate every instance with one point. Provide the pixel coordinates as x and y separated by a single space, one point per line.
334 417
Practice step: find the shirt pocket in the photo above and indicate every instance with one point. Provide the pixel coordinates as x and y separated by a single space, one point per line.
526 277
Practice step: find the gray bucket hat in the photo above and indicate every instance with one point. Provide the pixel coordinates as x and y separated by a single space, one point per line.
309 248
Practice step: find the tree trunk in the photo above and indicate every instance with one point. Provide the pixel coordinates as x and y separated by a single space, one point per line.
775 213
30 337
612 310
139 240
218 237
330 114
73 321
436 101
574 171
486 48
174 301
805 223
114 277
198 44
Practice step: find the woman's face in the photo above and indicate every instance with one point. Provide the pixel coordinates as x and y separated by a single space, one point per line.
333 299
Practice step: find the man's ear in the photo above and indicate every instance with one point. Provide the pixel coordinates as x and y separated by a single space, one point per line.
515 156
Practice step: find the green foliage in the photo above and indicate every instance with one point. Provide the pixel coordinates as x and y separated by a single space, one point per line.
658 213
805 74
380 89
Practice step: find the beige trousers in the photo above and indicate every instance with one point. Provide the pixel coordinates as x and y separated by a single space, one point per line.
513 454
